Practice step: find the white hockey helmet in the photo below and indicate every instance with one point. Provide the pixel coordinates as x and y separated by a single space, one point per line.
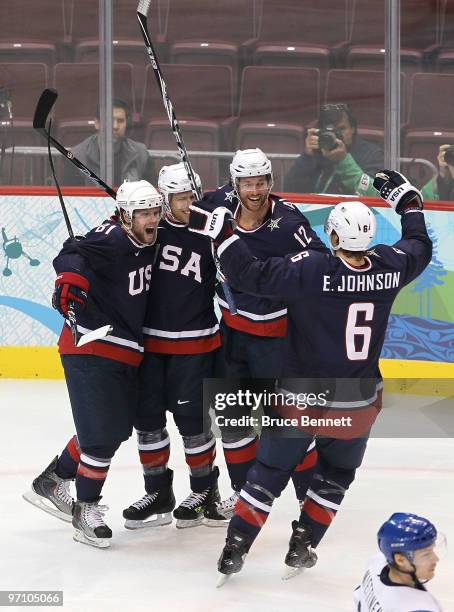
175 179
250 162
136 195
354 224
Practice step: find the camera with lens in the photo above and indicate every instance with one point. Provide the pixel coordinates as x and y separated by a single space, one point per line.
449 155
327 137
329 117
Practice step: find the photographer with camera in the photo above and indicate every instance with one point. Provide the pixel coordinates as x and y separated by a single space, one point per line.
335 159
441 187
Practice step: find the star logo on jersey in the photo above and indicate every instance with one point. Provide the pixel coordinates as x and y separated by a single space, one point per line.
274 224
230 195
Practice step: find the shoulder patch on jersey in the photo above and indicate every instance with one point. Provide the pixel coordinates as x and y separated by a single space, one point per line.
229 195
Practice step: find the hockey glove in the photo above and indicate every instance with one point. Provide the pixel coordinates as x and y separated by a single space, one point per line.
70 288
397 191
218 223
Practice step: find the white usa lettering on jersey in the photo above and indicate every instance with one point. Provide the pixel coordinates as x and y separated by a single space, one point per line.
136 280
375 596
170 260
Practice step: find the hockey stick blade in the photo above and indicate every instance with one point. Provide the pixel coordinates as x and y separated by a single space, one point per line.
96 334
43 108
144 7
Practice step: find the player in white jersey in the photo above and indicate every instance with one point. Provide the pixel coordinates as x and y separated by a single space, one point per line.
394 581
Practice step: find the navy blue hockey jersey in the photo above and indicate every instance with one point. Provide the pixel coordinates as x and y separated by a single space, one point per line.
119 271
180 319
337 313
285 230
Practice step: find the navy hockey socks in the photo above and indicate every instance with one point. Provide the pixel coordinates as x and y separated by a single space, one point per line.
303 473
322 502
91 476
239 457
69 460
200 453
154 453
251 510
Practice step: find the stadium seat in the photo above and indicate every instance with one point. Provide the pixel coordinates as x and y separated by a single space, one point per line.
198 136
430 123
78 88
22 84
205 32
32 31
364 92
302 34
202 100
128 44
419 34
275 104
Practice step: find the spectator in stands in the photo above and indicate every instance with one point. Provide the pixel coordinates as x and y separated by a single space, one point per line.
441 187
335 159
131 159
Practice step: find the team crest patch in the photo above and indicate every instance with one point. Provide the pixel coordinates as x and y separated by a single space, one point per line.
230 195
274 224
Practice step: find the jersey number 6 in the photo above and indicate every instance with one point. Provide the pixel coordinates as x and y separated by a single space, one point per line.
352 330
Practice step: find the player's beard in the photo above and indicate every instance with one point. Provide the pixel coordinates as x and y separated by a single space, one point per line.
256 206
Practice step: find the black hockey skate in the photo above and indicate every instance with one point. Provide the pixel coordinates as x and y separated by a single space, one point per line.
219 514
190 512
300 555
232 558
153 510
50 493
90 528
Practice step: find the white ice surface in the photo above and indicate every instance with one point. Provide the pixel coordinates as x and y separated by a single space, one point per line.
169 569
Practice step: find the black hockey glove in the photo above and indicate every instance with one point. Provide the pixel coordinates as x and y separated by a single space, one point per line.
216 223
397 191
70 288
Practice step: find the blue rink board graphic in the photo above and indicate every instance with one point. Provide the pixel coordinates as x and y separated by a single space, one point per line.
32 231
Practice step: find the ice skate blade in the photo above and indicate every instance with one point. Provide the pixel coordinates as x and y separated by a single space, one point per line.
79 536
291 572
186 524
222 579
40 502
214 523
157 521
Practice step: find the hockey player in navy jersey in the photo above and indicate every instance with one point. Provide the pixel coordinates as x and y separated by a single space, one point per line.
338 309
253 339
395 579
105 278
181 341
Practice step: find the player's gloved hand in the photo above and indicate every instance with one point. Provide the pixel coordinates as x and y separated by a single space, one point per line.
216 223
70 288
397 191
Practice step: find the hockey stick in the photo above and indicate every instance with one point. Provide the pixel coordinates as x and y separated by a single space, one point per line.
43 108
142 14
